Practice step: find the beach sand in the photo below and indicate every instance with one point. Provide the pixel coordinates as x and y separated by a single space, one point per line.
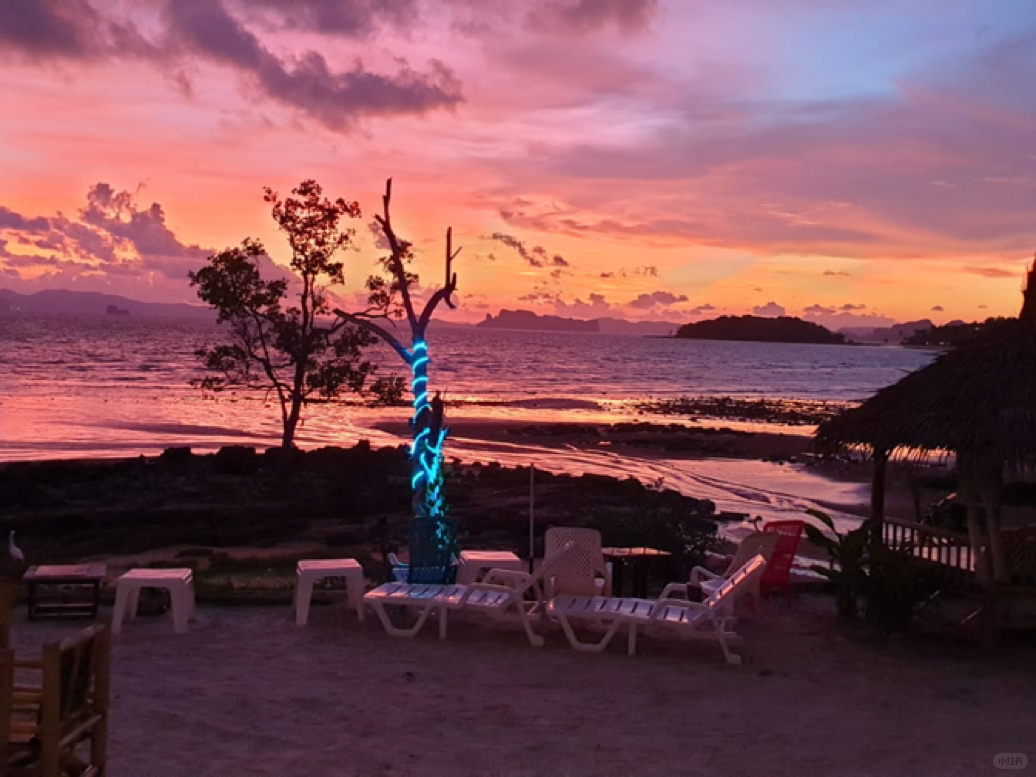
248 692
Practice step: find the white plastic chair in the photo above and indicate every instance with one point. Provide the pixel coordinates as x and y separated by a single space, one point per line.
584 571
754 544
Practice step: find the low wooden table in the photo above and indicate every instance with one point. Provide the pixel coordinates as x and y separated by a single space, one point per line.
82 578
639 559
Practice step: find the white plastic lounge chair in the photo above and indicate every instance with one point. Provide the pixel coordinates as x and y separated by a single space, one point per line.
421 597
501 594
610 611
584 572
695 620
754 544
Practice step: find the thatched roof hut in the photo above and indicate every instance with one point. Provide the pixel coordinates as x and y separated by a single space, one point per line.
977 401
979 398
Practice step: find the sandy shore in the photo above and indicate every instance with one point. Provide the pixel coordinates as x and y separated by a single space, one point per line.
247 692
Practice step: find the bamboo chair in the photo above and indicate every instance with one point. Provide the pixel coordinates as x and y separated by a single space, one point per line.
51 725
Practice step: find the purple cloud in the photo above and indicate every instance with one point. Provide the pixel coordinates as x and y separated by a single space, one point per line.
76 30
770 310
656 299
336 99
116 215
580 17
536 256
595 306
347 18
64 29
112 234
819 310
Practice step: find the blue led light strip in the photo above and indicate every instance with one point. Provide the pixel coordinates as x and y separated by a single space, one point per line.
433 544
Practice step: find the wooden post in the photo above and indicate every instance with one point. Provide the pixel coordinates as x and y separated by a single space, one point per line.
969 473
978 548
101 700
6 603
991 487
532 515
877 519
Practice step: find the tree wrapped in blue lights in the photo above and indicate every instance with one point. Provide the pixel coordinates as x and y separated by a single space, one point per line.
433 536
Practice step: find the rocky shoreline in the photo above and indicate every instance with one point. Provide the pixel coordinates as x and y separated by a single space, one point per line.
240 513
789 412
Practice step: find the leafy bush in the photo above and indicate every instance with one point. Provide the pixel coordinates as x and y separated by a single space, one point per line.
890 582
896 587
846 552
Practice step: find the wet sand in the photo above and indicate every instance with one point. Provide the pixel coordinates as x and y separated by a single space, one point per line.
758 473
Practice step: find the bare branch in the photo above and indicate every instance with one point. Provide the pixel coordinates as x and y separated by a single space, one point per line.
397 265
444 294
381 332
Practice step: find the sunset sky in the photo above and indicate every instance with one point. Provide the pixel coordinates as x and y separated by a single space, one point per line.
852 162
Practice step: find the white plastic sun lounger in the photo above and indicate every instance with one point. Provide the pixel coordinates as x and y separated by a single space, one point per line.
500 595
424 598
694 620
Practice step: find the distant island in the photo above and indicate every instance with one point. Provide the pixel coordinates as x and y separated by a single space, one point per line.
952 334
87 304
885 335
526 319
784 329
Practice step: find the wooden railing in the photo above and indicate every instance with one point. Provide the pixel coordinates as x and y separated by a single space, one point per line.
944 552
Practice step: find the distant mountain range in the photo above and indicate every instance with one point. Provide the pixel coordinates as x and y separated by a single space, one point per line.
528 321
63 302
60 302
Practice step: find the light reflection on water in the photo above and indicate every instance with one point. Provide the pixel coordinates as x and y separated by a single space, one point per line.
120 387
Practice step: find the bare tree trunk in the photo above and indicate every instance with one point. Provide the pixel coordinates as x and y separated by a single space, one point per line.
433 536
290 424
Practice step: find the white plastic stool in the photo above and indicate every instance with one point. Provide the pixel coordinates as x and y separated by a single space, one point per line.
310 571
179 583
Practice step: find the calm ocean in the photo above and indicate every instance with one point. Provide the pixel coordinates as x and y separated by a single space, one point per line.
118 386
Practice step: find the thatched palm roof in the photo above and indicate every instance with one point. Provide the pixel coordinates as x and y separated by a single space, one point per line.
979 398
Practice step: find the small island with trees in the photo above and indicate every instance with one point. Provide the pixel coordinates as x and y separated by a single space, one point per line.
783 329
952 334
